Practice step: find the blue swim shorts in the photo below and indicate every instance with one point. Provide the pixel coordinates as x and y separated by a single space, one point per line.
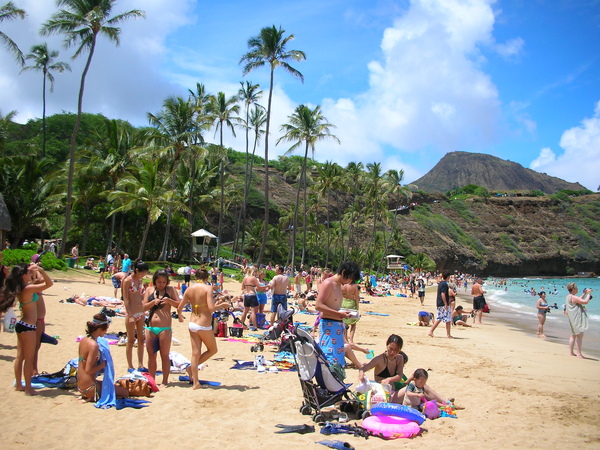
331 340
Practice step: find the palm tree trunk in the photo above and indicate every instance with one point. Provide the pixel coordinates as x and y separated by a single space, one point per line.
328 242
144 237
120 238
44 117
110 234
304 223
69 204
266 224
222 172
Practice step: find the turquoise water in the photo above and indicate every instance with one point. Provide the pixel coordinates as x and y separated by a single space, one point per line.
514 296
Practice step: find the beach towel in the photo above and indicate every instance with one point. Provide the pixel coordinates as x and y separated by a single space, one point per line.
375 313
108 399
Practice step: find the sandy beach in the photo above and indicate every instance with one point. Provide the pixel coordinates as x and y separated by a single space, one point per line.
518 391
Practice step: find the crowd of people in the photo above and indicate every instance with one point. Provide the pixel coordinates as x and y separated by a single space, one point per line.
335 297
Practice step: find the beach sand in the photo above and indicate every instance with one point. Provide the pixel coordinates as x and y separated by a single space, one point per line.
517 390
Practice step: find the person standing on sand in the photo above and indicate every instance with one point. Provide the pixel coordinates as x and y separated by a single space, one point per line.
298 282
133 298
20 285
351 301
126 264
200 297
542 310
159 299
75 254
444 310
421 290
578 319
329 302
279 285
478 300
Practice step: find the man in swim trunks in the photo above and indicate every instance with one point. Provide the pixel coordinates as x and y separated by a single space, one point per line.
478 300
279 285
444 310
329 302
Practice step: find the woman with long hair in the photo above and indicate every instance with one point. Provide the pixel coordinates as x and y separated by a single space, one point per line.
159 299
133 299
200 297
90 362
20 285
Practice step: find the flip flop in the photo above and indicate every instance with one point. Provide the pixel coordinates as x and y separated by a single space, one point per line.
301 429
336 444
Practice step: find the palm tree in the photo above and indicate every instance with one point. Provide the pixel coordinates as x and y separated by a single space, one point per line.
250 94
43 60
393 181
306 126
258 118
269 47
5 120
178 133
10 12
328 181
354 174
222 110
114 154
147 188
374 180
82 21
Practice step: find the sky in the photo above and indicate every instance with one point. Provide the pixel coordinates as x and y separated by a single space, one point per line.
403 82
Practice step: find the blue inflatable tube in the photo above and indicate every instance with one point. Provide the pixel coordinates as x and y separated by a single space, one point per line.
394 409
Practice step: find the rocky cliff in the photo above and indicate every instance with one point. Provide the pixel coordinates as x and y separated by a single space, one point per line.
505 236
458 169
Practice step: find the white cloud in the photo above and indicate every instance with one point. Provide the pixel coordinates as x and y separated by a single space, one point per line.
113 85
511 48
580 161
428 91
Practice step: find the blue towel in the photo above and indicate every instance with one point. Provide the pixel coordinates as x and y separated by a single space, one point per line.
131 403
108 399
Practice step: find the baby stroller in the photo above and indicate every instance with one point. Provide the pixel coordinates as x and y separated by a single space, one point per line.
276 332
321 387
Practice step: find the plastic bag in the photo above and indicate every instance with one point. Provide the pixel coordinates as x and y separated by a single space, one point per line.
10 320
364 386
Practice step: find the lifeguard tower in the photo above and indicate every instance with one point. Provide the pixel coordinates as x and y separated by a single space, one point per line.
394 262
201 243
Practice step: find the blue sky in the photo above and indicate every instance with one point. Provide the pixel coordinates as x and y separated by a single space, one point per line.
403 81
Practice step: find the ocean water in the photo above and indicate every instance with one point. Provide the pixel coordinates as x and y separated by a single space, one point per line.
515 304
516 295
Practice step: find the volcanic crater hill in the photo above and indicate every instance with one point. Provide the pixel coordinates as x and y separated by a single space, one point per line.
508 236
458 169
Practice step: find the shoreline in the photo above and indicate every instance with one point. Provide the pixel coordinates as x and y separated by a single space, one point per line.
556 331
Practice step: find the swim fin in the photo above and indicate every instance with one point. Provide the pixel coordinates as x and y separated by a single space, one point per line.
301 429
339 445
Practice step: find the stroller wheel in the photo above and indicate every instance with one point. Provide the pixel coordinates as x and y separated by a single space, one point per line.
365 414
319 418
305 410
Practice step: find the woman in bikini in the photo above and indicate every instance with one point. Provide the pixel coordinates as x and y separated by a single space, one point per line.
159 299
389 366
250 286
200 297
133 298
41 321
19 285
89 361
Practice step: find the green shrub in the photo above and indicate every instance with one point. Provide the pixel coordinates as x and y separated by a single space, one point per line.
51 262
17 256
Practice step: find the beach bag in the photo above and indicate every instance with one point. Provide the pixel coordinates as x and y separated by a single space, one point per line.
136 388
10 320
222 329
